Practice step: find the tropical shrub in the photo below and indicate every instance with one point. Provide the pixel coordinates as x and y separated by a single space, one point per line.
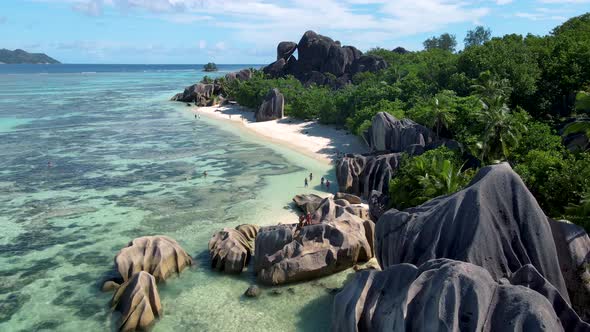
434 173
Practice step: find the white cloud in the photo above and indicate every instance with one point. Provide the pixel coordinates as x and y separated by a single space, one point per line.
565 1
264 22
503 2
202 44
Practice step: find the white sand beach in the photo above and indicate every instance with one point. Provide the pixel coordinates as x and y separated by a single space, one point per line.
322 142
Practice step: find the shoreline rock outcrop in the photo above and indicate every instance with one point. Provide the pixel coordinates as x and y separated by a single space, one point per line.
388 138
272 108
337 240
449 295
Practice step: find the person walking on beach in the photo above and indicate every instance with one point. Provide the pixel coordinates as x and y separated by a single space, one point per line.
308 218
305 183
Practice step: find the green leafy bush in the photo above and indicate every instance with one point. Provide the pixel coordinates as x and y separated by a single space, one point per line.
434 173
361 120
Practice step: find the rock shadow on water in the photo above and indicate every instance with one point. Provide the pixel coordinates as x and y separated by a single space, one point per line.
316 315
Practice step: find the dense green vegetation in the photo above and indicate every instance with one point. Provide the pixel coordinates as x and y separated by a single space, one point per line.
504 98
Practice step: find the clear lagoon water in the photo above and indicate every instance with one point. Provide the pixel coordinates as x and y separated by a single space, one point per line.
126 162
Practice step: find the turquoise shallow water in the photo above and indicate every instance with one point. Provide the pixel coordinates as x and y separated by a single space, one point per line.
125 162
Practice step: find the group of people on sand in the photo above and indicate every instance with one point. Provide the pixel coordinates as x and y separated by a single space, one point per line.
323 181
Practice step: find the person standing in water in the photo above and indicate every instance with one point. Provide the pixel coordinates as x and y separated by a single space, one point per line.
328 184
305 182
322 181
310 177
205 174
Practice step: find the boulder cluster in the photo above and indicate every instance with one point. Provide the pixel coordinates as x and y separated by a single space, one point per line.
202 93
339 237
144 262
322 61
484 258
387 138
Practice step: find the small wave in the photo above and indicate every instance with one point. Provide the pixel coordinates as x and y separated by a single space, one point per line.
88 72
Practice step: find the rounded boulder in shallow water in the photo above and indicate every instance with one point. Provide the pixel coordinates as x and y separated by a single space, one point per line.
159 255
138 302
230 249
252 291
110 285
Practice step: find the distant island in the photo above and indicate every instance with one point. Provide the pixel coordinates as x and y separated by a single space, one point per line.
19 56
210 67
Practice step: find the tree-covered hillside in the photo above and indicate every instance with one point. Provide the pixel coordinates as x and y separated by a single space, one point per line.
21 57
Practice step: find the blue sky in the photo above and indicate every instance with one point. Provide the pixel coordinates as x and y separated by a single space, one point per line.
247 31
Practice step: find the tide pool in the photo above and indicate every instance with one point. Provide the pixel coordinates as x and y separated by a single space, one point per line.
125 162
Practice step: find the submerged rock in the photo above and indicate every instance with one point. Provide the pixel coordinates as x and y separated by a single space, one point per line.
337 241
109 285
495 223
448 295
138 302
159 255
230 249
272 108
252 291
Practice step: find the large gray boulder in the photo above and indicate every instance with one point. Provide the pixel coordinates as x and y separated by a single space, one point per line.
285 49
307 202
272 108
199 93
495 223
360 174
573 250
321 61
160 256
449 295
242 75
338 240
387 133
275 69
230 249
138 302
370 63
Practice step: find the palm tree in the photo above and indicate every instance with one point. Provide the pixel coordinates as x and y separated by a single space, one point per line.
442 115
580 126
502 129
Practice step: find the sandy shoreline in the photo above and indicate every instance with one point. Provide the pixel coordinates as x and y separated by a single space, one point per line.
321 142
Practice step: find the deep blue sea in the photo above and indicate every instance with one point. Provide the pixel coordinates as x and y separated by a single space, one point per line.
93 156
